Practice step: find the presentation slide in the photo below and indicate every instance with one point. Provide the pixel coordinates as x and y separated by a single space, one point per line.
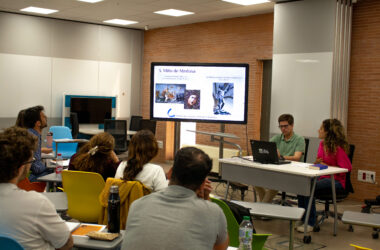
199 92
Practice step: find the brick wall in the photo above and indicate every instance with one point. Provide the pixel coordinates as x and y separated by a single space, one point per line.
364 95
237 40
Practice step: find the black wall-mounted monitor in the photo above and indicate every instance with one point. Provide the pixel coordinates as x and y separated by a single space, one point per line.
91 110
199 92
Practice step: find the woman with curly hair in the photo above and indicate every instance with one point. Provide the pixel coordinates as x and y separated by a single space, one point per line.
97 155
142 149
332 151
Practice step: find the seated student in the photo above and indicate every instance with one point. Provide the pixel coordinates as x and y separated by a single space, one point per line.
28 217
141 150
35 120
290 146
21 123
175 218
332 151
97 155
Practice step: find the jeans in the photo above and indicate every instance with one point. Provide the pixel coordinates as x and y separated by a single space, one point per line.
323 186
33 178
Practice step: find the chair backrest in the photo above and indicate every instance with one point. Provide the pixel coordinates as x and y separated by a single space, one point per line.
307 140
9 243
26 185
349 187
118 129
148 124
232 225
74 125
134 123
66 149
83 189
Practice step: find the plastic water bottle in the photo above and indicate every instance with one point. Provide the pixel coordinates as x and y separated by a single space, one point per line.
59 165
245 234
114 210
49 139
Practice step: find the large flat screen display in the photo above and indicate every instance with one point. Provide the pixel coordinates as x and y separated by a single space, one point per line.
200 92
91 110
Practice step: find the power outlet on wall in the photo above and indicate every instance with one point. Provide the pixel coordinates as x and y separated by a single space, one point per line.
366 176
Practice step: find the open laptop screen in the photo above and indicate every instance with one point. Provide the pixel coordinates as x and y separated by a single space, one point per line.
265 152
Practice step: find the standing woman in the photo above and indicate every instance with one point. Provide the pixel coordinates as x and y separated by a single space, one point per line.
97 155
332 151
142 149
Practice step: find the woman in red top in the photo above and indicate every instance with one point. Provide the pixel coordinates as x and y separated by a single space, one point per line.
97 155
332 151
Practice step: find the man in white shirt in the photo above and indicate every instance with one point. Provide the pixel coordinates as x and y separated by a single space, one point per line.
28 217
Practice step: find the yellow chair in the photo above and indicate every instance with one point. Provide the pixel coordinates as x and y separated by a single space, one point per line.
83 189
360 248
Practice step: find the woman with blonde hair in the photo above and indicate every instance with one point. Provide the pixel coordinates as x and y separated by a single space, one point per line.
332 151
97 155
142 149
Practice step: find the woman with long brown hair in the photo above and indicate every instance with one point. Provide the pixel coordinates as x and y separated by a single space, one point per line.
332 151
142 149
97 155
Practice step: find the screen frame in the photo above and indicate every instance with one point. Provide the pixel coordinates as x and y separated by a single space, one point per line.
242 65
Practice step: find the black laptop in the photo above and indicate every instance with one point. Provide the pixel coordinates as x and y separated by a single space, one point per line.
266 152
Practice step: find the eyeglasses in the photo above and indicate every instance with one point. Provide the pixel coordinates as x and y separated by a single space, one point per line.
30 162
283 126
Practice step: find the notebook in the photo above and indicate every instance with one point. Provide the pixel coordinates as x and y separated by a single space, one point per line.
266 152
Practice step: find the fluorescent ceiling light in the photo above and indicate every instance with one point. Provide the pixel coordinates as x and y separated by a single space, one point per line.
247 2
39 10
119 21
173 12
90 1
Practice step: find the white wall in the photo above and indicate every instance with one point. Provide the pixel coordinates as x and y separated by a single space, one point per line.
41 59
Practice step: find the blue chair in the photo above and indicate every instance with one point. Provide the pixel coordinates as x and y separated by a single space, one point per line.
66 149
9 243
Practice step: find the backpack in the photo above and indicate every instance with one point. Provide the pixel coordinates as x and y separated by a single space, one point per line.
239 212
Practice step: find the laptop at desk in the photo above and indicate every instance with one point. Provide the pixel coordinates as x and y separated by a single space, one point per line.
266 152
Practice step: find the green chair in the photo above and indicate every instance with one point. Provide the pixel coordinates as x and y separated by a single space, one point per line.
258 240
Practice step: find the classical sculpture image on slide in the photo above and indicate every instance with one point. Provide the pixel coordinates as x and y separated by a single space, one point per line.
223 94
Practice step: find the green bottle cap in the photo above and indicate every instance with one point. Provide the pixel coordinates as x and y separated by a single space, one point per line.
246 218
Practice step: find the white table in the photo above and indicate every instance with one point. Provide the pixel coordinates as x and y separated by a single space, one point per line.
86 242
94 131
51 179
295 177
59 200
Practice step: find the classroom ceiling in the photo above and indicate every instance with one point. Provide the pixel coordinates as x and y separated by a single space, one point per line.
141 11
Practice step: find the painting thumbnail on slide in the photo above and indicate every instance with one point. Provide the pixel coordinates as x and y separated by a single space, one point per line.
223 94
170 93
192 99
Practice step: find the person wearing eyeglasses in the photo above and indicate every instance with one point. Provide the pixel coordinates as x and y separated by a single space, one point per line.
290 146
28 217
35 120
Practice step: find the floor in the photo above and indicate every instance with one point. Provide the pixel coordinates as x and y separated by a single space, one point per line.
324 239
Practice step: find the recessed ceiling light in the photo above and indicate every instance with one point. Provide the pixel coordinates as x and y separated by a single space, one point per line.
173 12
247 2
39 10
90 1
120 21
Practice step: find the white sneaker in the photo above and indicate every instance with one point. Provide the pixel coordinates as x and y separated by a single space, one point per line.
301 229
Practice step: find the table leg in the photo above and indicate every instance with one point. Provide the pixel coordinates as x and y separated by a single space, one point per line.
291 235
314 180
228 186
335 206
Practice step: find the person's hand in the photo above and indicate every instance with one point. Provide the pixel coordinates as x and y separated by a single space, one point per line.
204 191
46 150
169 174
319 161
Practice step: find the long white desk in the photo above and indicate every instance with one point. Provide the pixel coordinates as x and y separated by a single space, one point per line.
295 178
94 131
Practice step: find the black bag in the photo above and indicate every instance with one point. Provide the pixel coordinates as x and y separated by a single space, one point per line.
239 212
